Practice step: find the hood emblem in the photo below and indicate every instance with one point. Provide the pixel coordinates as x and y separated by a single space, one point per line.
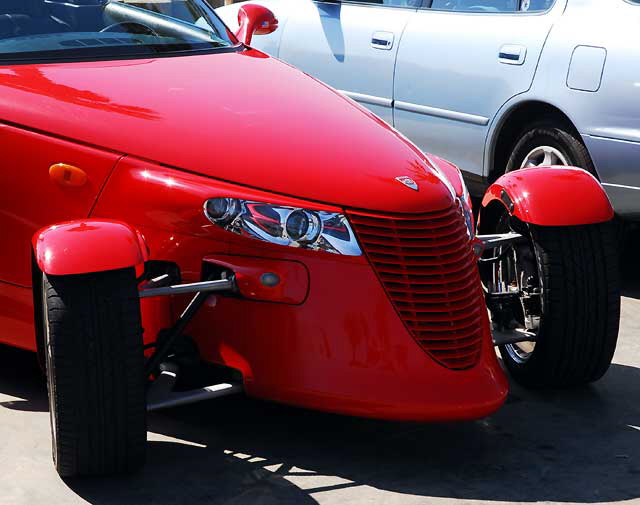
408 182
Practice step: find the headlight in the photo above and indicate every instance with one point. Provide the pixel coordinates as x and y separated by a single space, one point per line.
290 226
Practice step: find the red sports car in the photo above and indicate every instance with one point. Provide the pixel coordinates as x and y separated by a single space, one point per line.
170 196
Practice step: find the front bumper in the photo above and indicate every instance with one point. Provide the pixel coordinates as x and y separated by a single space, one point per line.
339 346
344 350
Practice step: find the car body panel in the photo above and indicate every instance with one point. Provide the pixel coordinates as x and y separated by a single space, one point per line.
551 196
333 41
618 162
16 316
469 76
610 114
585 71
343 350
296 353
27 159
320 152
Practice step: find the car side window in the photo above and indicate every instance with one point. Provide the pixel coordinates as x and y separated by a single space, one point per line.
492 5
388 3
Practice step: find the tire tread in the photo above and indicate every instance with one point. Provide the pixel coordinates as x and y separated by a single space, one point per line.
580 306
96 376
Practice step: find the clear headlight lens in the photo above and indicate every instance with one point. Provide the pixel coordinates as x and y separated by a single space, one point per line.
289 226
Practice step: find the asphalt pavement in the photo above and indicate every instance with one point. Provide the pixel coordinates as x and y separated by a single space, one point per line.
577 446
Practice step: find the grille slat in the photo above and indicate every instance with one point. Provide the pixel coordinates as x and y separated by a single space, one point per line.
360 216
442 317
421 278
382 244
429 273
453 345
418 227
463 306
422 292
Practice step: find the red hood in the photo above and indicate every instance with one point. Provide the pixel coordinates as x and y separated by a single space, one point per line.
241 117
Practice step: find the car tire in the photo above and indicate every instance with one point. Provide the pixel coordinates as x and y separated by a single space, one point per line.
95 372
565 148
580 307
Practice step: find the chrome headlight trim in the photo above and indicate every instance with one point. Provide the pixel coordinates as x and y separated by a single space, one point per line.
463 201
284 225
467 214
467 208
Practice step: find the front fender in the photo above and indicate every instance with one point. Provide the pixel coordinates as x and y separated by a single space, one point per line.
551 196
88 245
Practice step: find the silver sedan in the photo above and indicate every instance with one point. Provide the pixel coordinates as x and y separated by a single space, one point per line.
492 85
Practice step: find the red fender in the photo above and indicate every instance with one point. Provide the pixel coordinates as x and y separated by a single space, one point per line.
255 19
89 245
551 196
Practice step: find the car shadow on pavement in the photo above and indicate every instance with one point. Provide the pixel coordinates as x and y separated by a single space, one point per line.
571 446
580 445
21 377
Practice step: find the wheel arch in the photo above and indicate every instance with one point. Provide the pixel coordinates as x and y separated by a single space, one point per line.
549 196
88 246
489 214
511 123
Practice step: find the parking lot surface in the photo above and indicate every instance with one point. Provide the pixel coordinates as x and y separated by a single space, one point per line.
580 446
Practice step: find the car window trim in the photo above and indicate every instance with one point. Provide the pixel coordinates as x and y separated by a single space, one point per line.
364 3
426 5
55 59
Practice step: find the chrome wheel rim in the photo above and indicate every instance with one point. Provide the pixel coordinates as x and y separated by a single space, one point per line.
518 272
521 352
543 156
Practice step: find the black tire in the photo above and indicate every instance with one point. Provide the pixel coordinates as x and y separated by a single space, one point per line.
579 277
546 133
95 372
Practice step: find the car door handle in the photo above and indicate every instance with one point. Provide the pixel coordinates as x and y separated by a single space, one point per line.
512 54
382 40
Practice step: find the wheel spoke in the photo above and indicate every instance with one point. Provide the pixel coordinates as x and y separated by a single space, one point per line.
549 158
544 156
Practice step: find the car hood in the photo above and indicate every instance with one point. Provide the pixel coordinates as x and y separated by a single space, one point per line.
241 117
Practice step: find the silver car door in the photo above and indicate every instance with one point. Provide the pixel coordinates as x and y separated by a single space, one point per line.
351 46
459 61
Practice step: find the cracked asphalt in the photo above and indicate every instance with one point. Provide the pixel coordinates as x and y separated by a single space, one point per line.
579 446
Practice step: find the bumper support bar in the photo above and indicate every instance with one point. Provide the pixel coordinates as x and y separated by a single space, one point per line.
502 337
498 239
194 287
162 396
202 291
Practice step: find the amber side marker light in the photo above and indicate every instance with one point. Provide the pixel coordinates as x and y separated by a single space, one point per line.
67 175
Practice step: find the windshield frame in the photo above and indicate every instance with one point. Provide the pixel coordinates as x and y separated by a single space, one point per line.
131 51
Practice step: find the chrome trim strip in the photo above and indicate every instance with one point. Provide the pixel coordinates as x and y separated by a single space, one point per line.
512 336
443 113
370 99
193 287
620 186
498 239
